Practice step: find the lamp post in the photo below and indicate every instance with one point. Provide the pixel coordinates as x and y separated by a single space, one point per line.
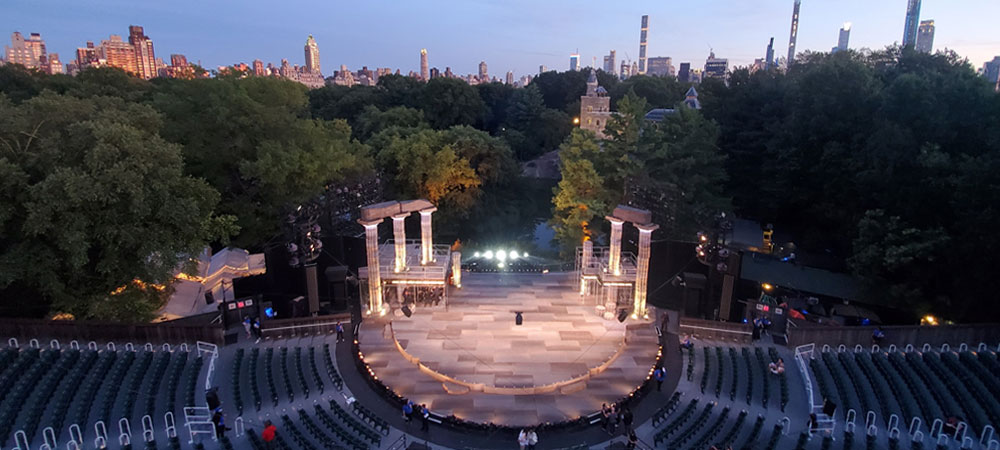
304 246
713 251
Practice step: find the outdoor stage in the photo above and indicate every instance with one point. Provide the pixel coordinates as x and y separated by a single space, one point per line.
471 360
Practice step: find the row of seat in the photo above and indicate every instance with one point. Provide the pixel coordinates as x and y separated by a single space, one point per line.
235 380
317 379
362 430
369 417
677 422
331 369
269 375
751 369
300 374
253 362
62 386
928 385
661 414
339 431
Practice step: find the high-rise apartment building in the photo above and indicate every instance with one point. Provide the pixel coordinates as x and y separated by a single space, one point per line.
118 53
510 78
912 23
769 56
845 37
684 74
424 73
609 62
625 71
87 56
258 67
574 61
793 35
660 66
145 60
643 35
991 71
925 36
484 75
54 65
28 52
716 67
312 56
542 69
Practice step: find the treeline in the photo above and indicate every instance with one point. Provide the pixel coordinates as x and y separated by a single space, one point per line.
107 181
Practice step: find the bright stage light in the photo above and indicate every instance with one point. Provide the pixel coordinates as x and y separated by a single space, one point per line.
501 255
501 265
513 254
524 255
475 255
488 254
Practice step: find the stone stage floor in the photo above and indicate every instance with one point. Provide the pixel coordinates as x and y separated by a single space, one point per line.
562 350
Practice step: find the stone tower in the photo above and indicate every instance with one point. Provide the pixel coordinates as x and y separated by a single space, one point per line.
595 107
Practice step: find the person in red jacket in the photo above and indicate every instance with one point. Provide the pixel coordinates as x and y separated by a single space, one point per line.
268 434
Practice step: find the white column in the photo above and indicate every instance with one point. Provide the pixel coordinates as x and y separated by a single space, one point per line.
426 238
374 276
615 252
588 254
399 236
642 270
456 269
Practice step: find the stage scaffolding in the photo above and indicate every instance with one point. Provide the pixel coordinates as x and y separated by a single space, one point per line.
615 282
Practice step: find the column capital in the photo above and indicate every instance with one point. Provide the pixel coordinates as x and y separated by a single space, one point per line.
614 220
400 216
647 227
370 223
428 210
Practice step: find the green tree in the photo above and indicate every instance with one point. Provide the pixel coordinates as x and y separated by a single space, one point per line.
423 164
447 102
97 210
581 197
372 120
251 139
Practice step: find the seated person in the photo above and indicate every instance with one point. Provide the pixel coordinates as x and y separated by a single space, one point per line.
877 336
686 343
778 367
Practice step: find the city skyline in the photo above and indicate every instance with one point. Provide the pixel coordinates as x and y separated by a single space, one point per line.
223 40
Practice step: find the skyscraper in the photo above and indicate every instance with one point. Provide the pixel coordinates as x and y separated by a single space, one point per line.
574 61
660 66
312 55
542 69
845 37
145 60
795 32
925 36
258 66
483 74
29 52
510 78
86 56
643 32
120 54
424 73
991 71
716 67
609 62
684 74
769 57
912 22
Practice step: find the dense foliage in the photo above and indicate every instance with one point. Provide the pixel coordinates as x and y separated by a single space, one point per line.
885 160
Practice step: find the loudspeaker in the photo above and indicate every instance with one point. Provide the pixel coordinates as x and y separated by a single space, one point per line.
407 311
209 297
622 315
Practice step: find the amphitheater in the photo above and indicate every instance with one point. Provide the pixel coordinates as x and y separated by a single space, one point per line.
77 394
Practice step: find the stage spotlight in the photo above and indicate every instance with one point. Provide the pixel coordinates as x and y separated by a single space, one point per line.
501 265
524 255
407 311
488 254
475 255
513 254
501 255
622 315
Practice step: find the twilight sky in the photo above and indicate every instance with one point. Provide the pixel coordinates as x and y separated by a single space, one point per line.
516 35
